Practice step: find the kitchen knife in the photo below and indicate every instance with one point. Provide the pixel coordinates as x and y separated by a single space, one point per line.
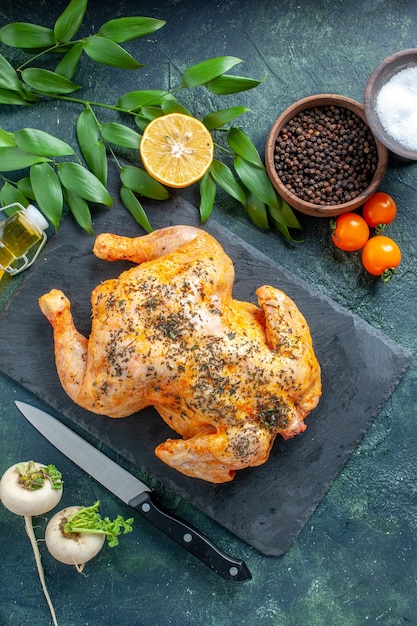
134 493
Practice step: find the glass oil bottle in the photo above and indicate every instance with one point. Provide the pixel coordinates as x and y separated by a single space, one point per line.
22 236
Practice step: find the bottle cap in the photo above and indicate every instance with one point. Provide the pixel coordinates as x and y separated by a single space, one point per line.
36 217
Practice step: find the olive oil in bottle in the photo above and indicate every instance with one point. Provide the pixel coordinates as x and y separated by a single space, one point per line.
19 233
6 257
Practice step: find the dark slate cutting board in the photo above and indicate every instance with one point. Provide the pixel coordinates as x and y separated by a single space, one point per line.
265 506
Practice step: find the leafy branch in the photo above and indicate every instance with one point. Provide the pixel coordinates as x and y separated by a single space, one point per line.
60 176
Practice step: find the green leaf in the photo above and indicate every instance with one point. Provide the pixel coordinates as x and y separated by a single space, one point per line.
25 35
257 210
92 148
108 52
121 135
88 129
220 118
135 208
224 85
141 182
141 122
284 215
28 95
259 184
150 113
289 215
48 82
243 146
8 76
23 96
225 178
97 161
206 71
13 158
69 62
80 210
171 105
134 100
48 192
25 187
7 138
81 181
280 224
257 181
42 143
208 190
9 194
70 20
12 97
128 28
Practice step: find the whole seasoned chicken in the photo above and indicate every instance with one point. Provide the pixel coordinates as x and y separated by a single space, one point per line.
228 376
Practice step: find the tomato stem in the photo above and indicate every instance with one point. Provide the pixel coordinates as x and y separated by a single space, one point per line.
388 274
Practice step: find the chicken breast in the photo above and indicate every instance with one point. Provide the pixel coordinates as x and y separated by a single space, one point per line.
228 376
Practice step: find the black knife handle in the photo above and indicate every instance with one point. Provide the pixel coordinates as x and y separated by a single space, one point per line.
191 539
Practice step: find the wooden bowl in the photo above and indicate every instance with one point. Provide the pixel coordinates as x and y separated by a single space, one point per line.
321 210
379 77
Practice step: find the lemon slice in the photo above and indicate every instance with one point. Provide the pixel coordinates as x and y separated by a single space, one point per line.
176 149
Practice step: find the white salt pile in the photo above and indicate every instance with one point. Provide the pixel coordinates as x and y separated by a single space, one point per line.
396 107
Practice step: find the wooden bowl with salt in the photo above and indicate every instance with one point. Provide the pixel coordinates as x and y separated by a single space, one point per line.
390 103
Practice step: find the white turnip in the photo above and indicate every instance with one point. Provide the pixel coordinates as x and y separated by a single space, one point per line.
30 489
76 534
71 548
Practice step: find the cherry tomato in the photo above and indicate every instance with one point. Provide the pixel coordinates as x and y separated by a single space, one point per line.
381 256
379 210
350 232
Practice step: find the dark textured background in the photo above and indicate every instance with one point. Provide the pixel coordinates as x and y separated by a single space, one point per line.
355 562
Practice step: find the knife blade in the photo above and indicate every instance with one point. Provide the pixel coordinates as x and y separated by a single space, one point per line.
133 492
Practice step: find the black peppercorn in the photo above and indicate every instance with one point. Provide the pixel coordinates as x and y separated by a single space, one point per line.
326 144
